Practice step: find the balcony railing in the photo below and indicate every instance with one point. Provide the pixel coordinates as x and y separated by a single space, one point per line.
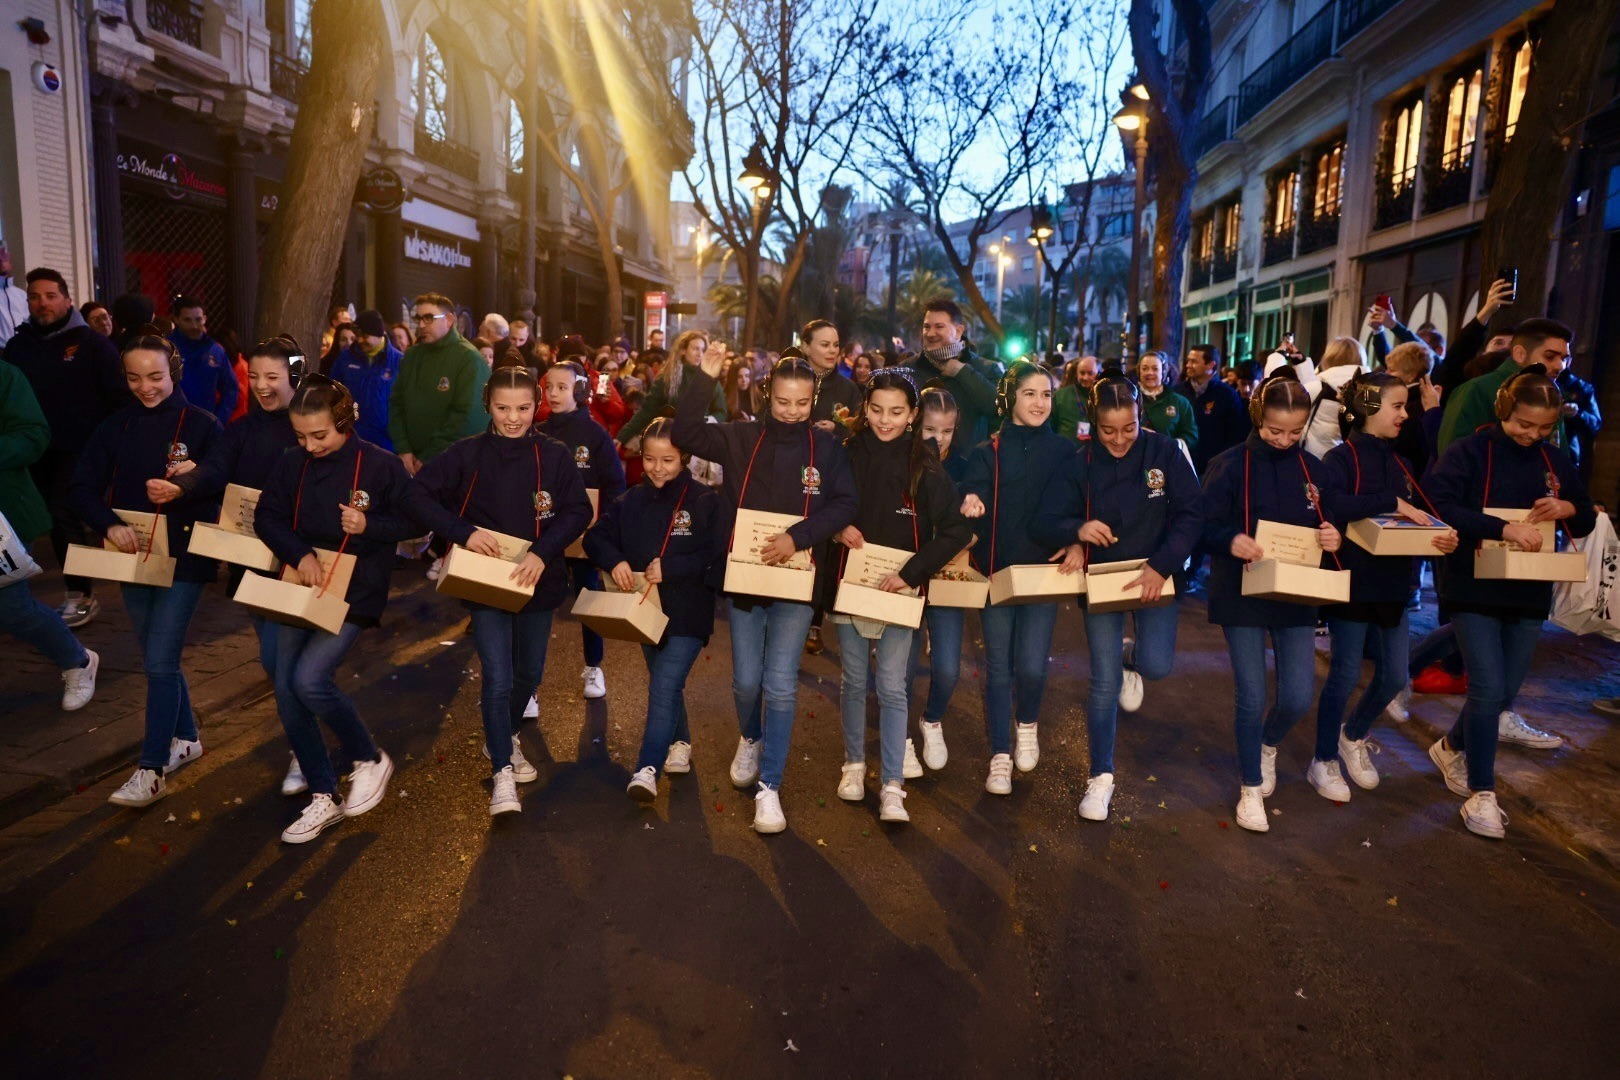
1199 273
1356 15
446 154
1318 233
1225 265
286 77
1299 54
1278 247
181 20
1394 204
1448 185
1216 126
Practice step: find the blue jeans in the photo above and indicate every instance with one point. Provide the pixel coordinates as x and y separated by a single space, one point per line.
1017 646
1496 655
945 626
160 618
512 649
1152 656
893 658
765 646
266 631
26 618
584 576
1294 648
307 696
1351 642
668 665
1437 646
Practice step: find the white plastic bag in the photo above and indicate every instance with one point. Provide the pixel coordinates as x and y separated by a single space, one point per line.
15 562
1593 606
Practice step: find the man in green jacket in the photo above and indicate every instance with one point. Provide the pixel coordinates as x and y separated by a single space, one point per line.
24 435
1473 404
1069 408
949 362
1164 410
438 396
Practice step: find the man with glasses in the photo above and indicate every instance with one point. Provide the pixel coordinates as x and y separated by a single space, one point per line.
438 396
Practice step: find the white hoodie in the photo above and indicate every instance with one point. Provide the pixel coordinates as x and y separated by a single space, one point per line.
1322 433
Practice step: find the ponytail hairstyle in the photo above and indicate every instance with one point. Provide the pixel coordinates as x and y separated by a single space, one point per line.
511 378
1362 396
1530 386
151 338
284 347
663 427
1281 390
317 394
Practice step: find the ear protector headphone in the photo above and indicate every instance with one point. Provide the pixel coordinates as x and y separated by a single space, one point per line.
1505 401
1257 403
286 347
1007 388
1363 396
149 337
582 382
345 411
1124 389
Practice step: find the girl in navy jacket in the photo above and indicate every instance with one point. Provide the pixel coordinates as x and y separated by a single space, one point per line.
1006 476
783 465
130 453
1509 465
669 527
1365 478
1268 477
1129 493
340 494
567 393
513 480
906 502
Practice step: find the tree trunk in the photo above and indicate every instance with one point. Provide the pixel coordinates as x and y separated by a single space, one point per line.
336 116
1529 190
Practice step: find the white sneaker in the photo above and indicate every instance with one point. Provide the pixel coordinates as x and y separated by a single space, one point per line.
1483 816
595 685
503 796
1357 761
321 814
852 781
1268 770
531 711
1026 748
1131 691
78 609
368 781
768 816
523 771
80 683
934 754
1400 710
182 752
643 786
1453 766
294 782
892 802
435 569
999 782
745 763
143 789
679 758
1324 777
912 769
1251 810
1511 728
1099 793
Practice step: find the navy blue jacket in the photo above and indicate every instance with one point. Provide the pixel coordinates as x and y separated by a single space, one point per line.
595 453
1222 418
1149 498
1276 492
1027 456
206 375
781 481
632 529
246 454
301 510
137 444
1363 478
1489 469
525 487
370 380
932 525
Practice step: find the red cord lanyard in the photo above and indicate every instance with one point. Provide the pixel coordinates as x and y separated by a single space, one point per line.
668 531
995 498
298 505
151 537
538 478
748 475
1310 493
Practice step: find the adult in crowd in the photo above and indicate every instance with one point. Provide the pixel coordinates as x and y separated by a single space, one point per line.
949 362
368 368
13 301
1221 415
1069 408
1473 404
131 312
655 338
522 340
498 332
1451 361
1164 410
77 380
665 390
1412 362
437 396
400 335
98 317
1342 361
1582 419
336 317
834 390
343 339
207 376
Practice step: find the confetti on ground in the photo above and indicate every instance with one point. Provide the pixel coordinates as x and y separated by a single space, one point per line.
1367 842
122 841
299 895
1175 830
169 819
1223 824
1275 812
646 826
1153 779
280 952
1126 819
237 800
791 1047
163 849
230 922
1300 993
820 842
866 832
1393 901
1032 847
821 802
446 643
1164 884
719 808
1162 806
249 885
196 815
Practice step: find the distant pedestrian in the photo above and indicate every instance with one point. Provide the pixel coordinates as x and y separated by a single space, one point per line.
207 374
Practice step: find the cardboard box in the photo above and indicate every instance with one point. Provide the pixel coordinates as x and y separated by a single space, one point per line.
1391 534
1291 570
284 600
746 572
576 550
151 563
1498 560
623 616
858 594
233 539
467 575
959 585
1034 583
1106 591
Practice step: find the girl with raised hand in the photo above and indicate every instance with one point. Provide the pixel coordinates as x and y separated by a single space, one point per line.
1365 478
337 493
1508 465
907 502
1006 475
123 465
515 480
779 464
670 528
1130 493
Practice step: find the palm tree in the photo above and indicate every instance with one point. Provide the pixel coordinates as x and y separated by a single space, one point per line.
917 288
1106 274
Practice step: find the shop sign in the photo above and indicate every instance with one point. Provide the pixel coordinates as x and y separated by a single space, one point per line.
382 190
173 173
424 249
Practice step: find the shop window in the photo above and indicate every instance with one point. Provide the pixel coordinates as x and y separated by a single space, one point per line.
1518 82
1282 202
1462 119
430 80
300 43
1408 135
1231 218
1328 193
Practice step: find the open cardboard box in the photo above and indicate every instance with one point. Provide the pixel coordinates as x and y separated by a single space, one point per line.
623 616
233 539
1497 560
858 594
1106 591
747 573
1034 583
151 563
284 600
1291 570
1394 534
467 575
576 550
959 585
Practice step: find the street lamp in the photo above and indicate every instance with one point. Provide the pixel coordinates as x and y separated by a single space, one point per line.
1133 118
1040 231
756 175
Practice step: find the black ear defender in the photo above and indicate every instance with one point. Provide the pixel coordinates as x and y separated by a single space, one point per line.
1007 388
1363 397
582 382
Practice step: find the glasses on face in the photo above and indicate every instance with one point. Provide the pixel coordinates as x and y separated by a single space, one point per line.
420 317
